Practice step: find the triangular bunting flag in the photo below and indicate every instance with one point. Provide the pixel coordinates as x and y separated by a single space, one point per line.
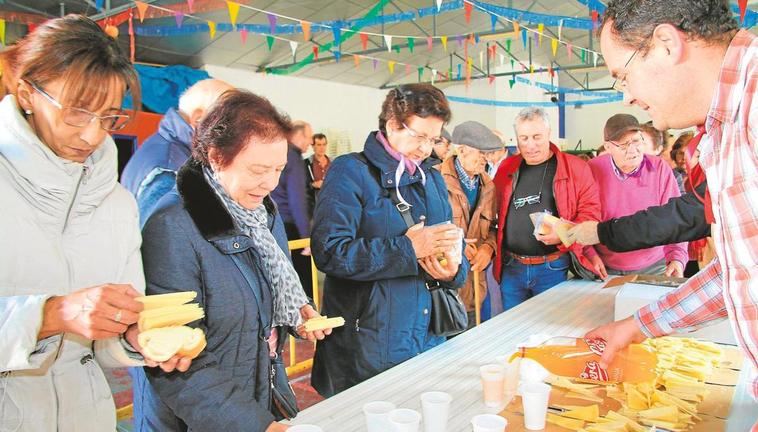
271 23
481 59
467 8
356 60
388 42
411 41
459 38
583 53
508 45
364 40
554 45
594 58
374 62
243 35
306 25
493 21
523 37
743 7
531 68
2 31
98 4
569 50
491 78
434 75
550 70
476 38
269 42
420 73
512 64
407 69
459 72
536 38
234 10
396 48
337 33
141 8
443 39
429 43
315 52
212 29
337 55
560 30
293 47
391 67
439 5
179 17
540 29
516 28
511 82
595 16
191 5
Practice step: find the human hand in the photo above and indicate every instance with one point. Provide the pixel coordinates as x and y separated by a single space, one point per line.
481 260
599 267
306 251
437 271
317 184
307 312
98 312
470 250
584 233
277 427
176 362
550 238
674 269
434 240
617 335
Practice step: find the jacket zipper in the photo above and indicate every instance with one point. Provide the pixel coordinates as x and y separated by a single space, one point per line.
74 195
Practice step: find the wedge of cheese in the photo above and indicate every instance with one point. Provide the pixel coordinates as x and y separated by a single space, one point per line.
169 316
160 344
588 413
171 299
322 323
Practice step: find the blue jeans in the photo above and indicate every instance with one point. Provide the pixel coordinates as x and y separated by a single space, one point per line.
521 282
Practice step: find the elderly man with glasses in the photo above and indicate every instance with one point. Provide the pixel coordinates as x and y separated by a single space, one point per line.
629 181
540 178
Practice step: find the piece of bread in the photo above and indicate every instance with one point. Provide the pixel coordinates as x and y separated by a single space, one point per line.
160 344
322 323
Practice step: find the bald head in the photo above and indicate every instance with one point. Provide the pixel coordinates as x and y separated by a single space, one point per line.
302 135
196 100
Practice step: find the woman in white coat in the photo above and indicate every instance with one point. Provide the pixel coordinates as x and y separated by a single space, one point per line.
70 263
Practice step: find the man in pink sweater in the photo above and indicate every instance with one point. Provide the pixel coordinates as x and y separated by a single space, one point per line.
630 181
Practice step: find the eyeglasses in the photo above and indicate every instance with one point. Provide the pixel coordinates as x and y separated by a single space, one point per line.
422 138
625 146
79 117
619 84
531 200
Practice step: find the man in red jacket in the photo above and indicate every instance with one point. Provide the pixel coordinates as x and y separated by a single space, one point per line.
541 178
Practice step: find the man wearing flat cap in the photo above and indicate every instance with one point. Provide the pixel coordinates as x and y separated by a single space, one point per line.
628 181
540 178
472 197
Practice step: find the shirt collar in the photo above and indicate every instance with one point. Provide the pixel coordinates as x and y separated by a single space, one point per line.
623 176
731 80
470 183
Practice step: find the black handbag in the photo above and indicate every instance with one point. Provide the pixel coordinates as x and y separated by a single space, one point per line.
579 270
449 315
283 400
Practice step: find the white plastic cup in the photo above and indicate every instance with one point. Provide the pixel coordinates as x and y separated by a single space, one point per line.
488 423
304 428
493 384
378 415
404 420
534 397
436 408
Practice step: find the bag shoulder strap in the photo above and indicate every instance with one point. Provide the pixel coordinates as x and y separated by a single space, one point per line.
404 209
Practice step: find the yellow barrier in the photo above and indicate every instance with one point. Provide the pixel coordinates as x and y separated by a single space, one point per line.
305 365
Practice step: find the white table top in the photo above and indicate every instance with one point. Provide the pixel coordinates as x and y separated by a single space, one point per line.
569 309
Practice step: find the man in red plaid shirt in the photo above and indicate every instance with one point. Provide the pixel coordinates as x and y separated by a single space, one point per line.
687 64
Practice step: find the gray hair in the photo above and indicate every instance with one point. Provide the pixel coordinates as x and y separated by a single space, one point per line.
202 95
530 113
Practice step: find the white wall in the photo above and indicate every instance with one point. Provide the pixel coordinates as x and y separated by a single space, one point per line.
326 105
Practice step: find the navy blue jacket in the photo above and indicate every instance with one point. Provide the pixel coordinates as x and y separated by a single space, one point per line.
151 171
290 195
188 245
373 278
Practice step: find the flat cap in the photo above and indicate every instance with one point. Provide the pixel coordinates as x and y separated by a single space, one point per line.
618 125
476 135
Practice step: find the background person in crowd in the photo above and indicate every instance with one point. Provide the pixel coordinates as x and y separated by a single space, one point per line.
292 199
710 67
70 265
442 149
151 171
655 140
629 180
679 159
316 166
378 272
472 197
494 158
227 244
541 178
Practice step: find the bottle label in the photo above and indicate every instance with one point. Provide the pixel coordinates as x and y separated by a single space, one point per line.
593 371
597 346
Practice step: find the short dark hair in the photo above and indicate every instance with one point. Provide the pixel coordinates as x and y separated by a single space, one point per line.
680 144
237 116
658 138
635 20
319 136
422 100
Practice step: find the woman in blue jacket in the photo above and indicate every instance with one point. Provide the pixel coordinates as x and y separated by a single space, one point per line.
378 273
219 234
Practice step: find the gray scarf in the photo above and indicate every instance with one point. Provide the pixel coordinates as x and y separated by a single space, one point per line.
288 294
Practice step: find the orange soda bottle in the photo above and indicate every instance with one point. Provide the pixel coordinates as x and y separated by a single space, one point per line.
580 359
